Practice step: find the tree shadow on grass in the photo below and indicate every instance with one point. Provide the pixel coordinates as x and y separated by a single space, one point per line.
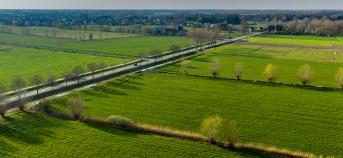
27 128
252 154
113 131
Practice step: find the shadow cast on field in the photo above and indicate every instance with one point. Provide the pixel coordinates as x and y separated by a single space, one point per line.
28 128
113 131
252 154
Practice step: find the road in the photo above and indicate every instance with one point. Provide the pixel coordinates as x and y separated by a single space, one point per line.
109 73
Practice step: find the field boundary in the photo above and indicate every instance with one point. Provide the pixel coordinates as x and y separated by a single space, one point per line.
259 82
288 45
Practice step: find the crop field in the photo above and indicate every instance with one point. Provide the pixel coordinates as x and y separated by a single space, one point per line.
63 33
280 116
299 40
35 135
255 58
124 46
25 62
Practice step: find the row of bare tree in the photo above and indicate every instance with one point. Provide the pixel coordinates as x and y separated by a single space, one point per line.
305 72
18 84
323 27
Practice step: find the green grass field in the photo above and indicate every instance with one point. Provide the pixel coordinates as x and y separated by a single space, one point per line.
125 46
64 33
35 135
255 58
298 40
293 118
26 62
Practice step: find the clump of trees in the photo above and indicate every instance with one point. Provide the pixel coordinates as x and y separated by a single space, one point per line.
211 127
200 37
214 67
216 129
305 74
238 70
270 73
76 106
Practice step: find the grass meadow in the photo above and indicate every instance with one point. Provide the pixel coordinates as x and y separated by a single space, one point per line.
124 46
299 40
64 33
255 58
36 135
27 62
287 117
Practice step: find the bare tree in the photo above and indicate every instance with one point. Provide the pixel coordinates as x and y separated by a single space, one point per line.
3 107
51 80
18 84
37 80
305 74
67 77
214 67
90 36
215 36
155 53
76 106
200 37
238 70
92 67
270 73
77 72
244 27
175 48
185 67
274 23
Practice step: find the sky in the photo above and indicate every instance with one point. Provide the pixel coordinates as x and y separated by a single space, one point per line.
171 4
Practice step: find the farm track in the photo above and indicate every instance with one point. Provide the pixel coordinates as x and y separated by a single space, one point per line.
289 45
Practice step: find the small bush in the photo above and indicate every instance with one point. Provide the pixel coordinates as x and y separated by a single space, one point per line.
339 77
270 73
211 127
214 67
185 67
76 105
120 121
305 74
238 70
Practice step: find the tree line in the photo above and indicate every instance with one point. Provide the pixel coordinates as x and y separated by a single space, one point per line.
322 27
19 83
305 72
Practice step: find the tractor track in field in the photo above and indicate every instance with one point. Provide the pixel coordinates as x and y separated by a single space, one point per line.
288 45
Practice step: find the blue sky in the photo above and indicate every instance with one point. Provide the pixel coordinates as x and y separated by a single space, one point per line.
171 4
